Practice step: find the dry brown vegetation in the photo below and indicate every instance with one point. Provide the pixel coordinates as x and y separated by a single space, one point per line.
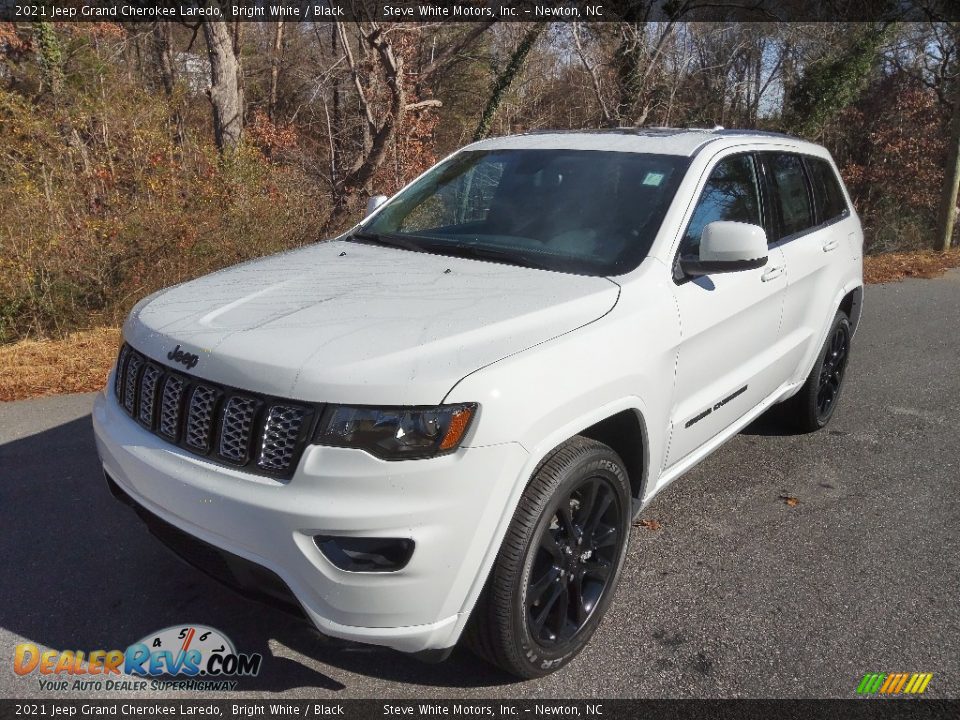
114 183
77 363
891 267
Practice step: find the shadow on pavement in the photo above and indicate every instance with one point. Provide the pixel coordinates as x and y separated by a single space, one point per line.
81 572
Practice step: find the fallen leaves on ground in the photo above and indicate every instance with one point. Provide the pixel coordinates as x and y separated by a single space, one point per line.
891 267
648 524
790 500
79 362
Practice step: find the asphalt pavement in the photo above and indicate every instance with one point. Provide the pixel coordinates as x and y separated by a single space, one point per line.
731 592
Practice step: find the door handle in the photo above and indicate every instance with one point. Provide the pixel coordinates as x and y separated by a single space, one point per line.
831 244
772 272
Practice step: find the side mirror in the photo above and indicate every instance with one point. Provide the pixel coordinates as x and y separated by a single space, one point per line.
375 202
727 246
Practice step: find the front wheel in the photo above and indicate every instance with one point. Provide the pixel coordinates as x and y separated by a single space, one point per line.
559 564
811 408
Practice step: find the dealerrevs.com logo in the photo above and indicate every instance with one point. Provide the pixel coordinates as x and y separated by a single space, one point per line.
182 657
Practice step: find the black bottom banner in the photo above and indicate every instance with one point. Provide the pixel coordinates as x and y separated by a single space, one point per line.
520 709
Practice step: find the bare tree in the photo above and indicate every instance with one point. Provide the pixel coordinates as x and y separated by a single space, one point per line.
627 97
947 215
161 41
275 68
226 84
380 121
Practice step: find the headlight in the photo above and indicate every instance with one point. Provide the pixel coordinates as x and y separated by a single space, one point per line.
397 433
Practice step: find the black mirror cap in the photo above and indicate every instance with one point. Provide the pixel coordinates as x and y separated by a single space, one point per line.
692 266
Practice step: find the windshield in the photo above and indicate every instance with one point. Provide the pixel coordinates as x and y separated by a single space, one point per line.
580 211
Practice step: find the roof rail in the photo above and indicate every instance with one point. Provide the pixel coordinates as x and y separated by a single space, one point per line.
642 131
655 131
761 133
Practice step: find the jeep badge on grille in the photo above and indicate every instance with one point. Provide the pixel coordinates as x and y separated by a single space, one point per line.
188 359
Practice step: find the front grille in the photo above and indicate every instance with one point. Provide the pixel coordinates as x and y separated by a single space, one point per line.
235 431
148 393
173 389
200 418
280 436
261 434
130 382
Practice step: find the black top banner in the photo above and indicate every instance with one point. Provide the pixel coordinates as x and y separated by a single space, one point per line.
479 10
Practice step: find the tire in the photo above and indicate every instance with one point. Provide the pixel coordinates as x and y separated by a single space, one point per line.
811 408
557 570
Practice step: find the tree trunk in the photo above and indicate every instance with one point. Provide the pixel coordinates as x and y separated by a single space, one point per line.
161 39
951 178
275 68
505 80
380 129
226 86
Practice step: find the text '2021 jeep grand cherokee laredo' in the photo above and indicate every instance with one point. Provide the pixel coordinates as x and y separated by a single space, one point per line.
444 420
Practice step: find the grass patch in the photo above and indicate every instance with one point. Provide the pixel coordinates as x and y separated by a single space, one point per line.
79 362
891 267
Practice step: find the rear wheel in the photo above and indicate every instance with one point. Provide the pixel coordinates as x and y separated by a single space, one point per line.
812 407
559 564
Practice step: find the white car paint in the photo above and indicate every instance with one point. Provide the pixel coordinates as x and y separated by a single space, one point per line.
344 322
544 354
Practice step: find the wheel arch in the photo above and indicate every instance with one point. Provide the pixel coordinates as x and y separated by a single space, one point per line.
625 432
852 305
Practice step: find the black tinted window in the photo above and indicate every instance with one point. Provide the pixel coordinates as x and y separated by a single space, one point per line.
731 193
826 190
791 194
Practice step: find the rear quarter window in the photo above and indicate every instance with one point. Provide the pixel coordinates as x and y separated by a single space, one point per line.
828 196
791 193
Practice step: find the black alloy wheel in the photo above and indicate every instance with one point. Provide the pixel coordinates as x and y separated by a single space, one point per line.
816 401
558 566
575 556
832 369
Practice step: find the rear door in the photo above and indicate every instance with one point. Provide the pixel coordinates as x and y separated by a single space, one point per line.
730 322
809 212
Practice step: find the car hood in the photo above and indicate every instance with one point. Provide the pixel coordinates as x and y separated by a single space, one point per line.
345 322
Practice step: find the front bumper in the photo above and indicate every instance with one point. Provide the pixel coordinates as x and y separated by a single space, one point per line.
449 506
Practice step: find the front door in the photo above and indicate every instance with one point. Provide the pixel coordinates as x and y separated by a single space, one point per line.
728 359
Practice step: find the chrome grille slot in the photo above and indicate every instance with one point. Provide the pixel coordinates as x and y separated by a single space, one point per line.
118 378
232 427
280 434
170 406
203 402
236 428
130 382
148 393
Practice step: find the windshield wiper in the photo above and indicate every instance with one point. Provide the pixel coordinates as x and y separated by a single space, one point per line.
474 252
481 252
386 240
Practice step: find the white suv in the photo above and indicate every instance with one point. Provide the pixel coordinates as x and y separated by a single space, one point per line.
444 421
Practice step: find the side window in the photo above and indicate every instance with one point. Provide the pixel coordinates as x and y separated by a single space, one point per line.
791 196
732 192
828 196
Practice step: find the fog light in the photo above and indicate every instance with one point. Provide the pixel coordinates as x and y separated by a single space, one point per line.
356 554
